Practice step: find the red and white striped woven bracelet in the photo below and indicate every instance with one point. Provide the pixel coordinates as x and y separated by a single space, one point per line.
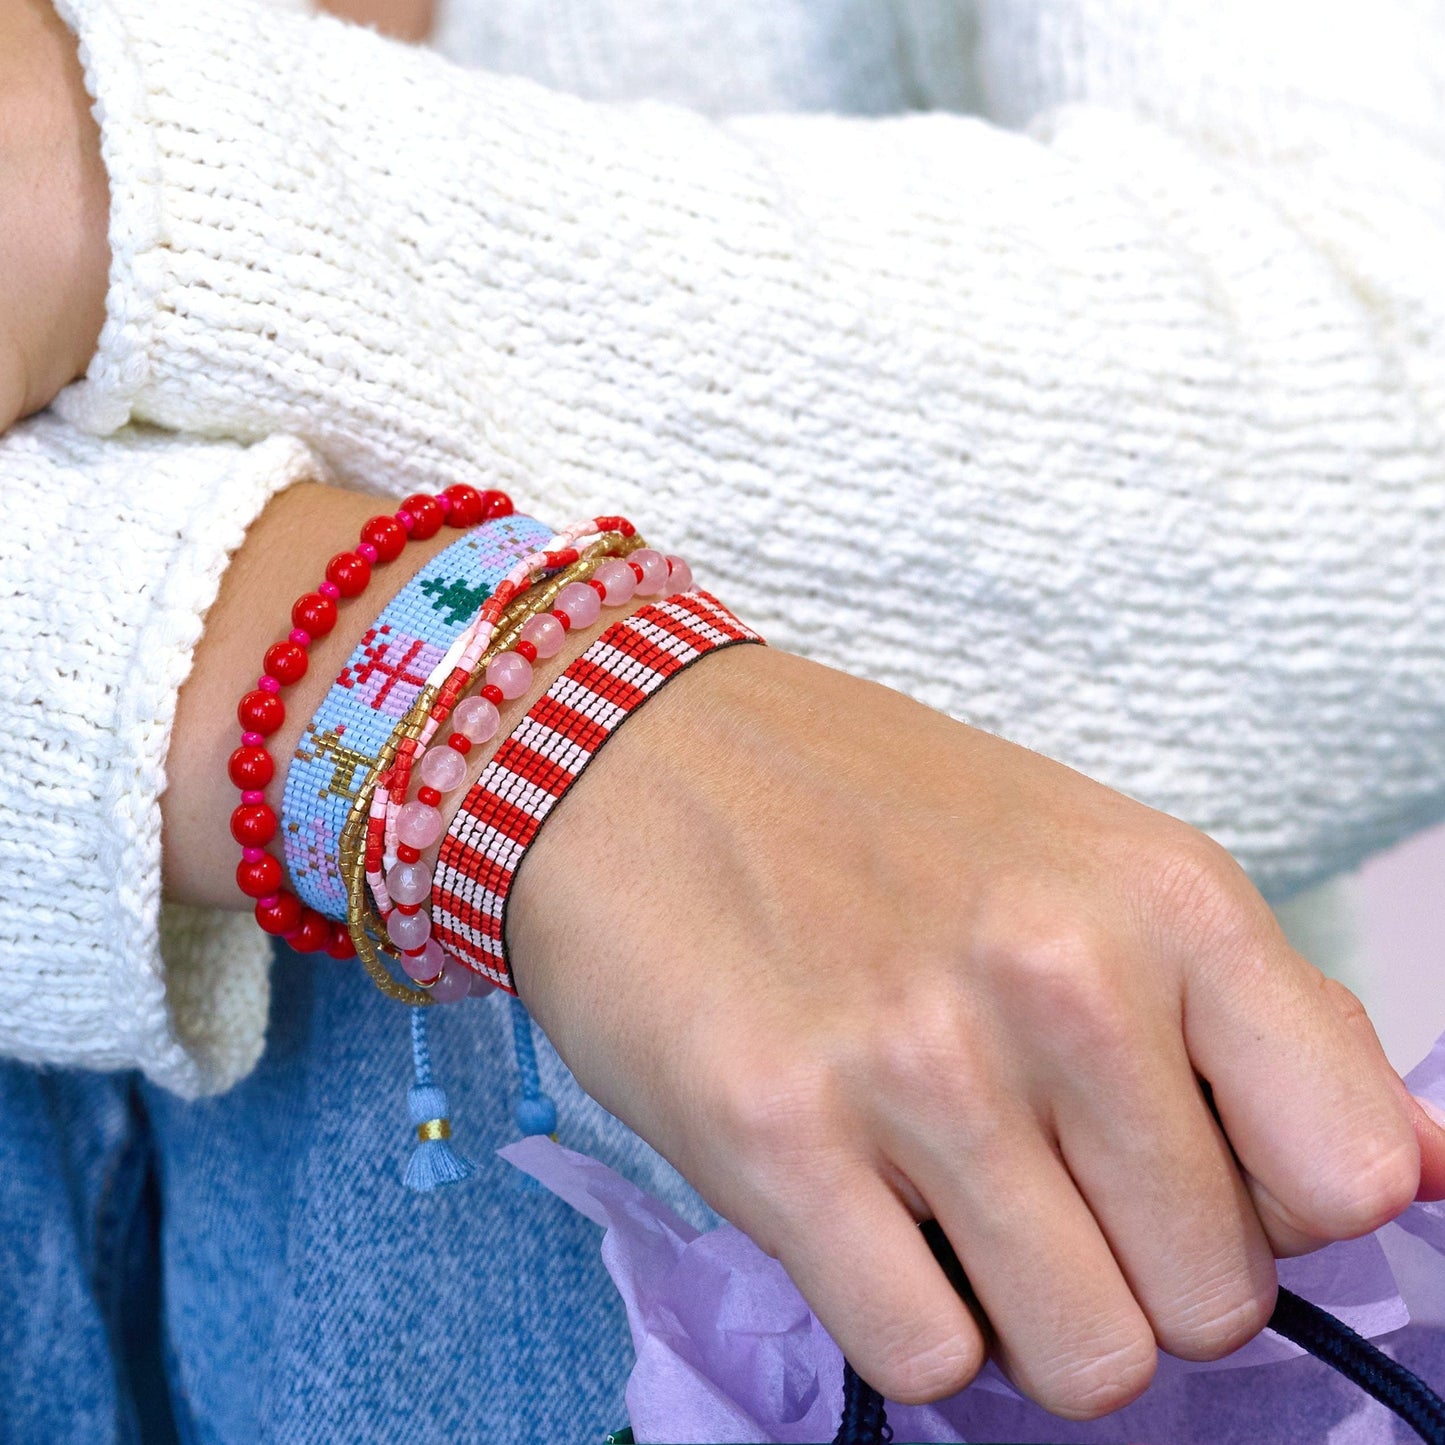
546 753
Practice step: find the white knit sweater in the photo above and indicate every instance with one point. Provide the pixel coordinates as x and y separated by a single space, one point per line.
1109 421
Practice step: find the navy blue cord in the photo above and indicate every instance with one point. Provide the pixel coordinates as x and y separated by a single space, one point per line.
1307 1325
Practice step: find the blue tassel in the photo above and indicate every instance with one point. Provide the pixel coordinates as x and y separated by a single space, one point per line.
435 1162
535 1112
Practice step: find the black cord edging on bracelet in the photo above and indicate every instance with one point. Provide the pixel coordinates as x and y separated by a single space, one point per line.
1311 1328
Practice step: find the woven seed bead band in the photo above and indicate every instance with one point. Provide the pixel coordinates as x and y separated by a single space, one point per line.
546 753
376 689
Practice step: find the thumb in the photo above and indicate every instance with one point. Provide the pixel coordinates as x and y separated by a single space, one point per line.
1429 1122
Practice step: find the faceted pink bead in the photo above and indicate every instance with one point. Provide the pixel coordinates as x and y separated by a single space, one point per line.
511 672
617 577
482 985
681 577
654 571
419 825
545 633
443 769
454 984
476 718
408 930
580 603
409 883
427 965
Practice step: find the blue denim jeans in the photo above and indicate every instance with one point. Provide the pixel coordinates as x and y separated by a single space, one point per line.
249 1268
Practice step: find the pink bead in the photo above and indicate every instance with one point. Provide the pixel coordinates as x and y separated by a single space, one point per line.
267 683
269 901
477 718
253 855
406 519
580 603
409 883
654 571
511 672
419 825
454 984
443 501
408 930
254 740
365 549
680 578
482 986
443 769
427 965
619 580
253 795
545 633
300 637
329 589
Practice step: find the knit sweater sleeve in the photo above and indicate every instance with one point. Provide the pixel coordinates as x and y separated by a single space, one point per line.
1118 435
112 551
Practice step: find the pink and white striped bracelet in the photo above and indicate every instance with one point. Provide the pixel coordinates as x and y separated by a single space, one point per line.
545 755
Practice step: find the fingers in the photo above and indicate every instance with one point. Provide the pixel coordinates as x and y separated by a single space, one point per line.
867 1271
1428 1121
1318 1120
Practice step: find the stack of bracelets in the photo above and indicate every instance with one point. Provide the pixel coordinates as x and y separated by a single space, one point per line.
476 616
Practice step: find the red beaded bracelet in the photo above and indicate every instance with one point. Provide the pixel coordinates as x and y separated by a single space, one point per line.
260 712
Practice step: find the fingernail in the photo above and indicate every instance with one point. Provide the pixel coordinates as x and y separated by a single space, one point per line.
1433 1110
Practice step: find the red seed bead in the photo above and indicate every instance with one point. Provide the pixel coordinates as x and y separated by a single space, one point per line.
387 535
494 694
349 573
261 712
317 614
251 767
258 879
496 504
408 910
407 853
467 508
429 796
312 934
281 914
286 662
426 516
253 824
600 588
523 648
461 742
340 944
562 618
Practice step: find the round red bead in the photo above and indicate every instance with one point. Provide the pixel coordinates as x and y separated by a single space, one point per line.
426 515
523 648
461 742
253 824
261 712
429 796
258 879
496 504
281 915
387 535
317 614
563 618
494 694
251 767
467 507
407 853
349 573
286 662
340 945
312 934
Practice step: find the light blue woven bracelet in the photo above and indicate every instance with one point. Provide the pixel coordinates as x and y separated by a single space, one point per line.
376 689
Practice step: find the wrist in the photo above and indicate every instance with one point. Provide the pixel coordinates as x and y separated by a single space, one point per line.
54 206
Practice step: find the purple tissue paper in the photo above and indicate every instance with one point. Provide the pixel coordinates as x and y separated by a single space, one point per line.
728 1350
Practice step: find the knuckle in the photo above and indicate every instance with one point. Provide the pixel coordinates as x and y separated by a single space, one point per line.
1086 1388
921 1376
1202 894
1372 1192
1218 1327
767 1110
1064 982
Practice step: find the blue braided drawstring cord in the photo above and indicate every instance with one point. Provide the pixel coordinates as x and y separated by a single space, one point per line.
1296 1319
535 1112
1327 1339
434 1162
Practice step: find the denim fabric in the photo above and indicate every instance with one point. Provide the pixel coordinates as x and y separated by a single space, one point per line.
249 1268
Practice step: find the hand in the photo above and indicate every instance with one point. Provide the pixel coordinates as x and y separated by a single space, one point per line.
54 200
850 964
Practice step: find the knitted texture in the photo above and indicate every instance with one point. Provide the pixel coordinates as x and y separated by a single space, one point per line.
113 553
1164 406
1154 382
